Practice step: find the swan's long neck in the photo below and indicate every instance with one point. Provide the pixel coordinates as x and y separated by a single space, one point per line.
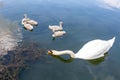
71 53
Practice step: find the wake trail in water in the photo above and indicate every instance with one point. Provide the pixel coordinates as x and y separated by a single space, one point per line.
10 35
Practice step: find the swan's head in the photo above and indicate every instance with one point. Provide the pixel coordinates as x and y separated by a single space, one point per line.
53 52
50 52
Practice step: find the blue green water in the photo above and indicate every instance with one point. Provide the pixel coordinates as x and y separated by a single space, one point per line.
84 20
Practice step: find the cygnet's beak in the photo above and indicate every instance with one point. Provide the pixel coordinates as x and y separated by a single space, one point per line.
50 52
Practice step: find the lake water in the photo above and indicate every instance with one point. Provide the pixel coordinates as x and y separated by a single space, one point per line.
84 20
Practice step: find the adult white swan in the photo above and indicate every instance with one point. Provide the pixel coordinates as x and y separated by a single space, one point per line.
91 50
56 27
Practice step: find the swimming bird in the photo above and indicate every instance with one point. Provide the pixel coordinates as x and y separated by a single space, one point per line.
58 33
26 25
32 22
29 21
92 50
56 27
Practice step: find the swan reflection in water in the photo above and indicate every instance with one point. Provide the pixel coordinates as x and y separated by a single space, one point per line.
98 60
93 62
68 60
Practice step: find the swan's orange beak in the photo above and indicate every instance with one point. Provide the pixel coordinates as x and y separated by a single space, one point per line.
50 52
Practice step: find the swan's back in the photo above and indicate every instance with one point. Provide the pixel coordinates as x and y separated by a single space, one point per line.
95 49
55 27
58 33
32 22
28 26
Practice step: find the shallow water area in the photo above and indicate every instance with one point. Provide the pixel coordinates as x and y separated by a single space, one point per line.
10 35
83 20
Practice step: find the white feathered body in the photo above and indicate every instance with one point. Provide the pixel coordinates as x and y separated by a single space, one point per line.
26 25
94 49
32 22
28 20
56 27
58 33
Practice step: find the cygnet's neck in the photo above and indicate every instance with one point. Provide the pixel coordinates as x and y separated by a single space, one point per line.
25 16
60 24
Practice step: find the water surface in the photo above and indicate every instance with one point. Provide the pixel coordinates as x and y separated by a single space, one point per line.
84 20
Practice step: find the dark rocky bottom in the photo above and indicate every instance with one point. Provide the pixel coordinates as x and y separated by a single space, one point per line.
16 61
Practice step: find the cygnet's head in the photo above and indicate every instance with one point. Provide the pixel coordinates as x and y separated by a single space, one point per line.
25 16
61 22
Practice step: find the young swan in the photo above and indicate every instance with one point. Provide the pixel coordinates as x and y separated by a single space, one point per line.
28 26
32 22
58 34
92 50
29 21
56 27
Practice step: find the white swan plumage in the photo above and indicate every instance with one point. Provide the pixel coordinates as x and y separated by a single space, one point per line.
56 27
58 33
92 50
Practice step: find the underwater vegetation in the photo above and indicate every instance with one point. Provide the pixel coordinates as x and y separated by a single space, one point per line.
19 59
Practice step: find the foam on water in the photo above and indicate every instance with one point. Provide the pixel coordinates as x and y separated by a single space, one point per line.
10 35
